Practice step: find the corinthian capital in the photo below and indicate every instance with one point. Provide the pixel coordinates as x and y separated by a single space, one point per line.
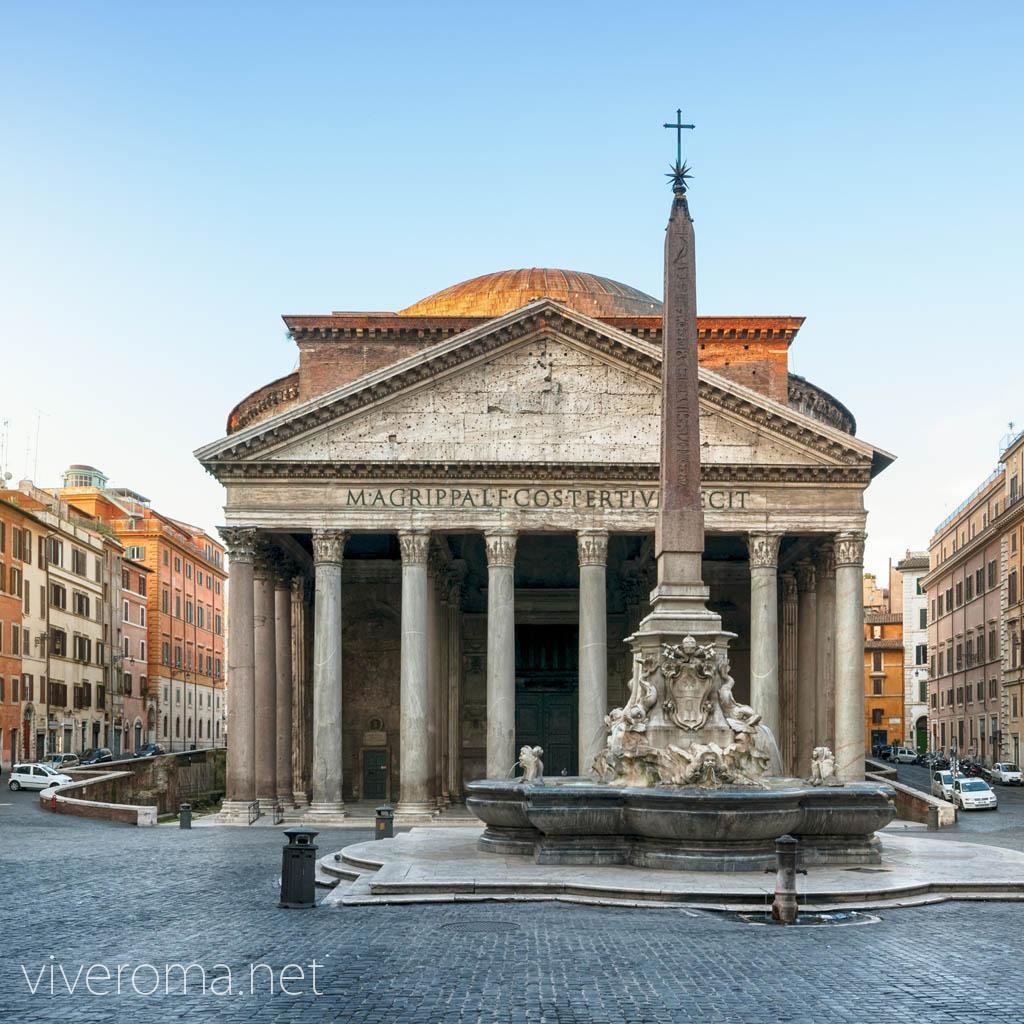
826 561
264 560
501 547
788 586
764 550
849 548
592 546
805 576
240 542
415 546
328 546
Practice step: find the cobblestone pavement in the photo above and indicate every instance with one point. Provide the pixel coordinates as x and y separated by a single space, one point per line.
86 893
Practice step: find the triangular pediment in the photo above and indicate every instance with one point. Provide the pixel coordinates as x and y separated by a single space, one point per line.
542 385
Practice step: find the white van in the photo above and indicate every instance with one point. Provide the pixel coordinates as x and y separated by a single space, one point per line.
36 776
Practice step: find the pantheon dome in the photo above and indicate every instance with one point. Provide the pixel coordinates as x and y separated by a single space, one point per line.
492 295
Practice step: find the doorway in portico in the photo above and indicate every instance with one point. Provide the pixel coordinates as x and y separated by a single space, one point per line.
547 689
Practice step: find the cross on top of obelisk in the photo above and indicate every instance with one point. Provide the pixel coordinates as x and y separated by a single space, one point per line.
680 172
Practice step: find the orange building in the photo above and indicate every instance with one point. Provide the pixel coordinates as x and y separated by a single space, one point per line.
883 677
184 611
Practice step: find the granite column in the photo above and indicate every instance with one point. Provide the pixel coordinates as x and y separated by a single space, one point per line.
326 780
592 548
501 653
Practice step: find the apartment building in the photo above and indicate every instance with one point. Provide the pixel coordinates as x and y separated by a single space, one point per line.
1010 524
913 606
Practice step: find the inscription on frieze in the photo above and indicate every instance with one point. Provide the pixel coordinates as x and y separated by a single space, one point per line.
536 499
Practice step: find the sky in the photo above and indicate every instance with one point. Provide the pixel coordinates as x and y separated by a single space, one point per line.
176 176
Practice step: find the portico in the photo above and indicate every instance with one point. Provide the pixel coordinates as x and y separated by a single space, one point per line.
441 560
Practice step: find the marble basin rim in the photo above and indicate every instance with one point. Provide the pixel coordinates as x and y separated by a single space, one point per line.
728 828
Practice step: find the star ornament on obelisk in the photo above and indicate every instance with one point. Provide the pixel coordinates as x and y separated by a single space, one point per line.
678 604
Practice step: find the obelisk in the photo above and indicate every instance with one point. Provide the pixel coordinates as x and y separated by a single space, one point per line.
678 603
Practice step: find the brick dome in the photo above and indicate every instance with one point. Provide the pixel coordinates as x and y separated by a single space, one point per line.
494 294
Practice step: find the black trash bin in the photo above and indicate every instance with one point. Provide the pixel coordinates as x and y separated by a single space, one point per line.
385 828
298 868
185 816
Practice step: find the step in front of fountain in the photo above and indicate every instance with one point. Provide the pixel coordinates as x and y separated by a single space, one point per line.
578 821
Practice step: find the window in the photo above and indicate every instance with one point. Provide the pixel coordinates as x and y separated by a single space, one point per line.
979 581
165 655
142 614
993 688
959 657
933 607
991 574
142 650
177 564
993 643
959 695
177 656
970 587
876 661
135 553
980 690
217 587
188 611
58 643
80 603
959 594
142 584
876 716
923 619
127 685
1011 587
126 613
78 562
949 599
165 562
981 646
58 596
81 648
55 553
922 693
188 570
876 687
165 600
217 625
969 651
177 606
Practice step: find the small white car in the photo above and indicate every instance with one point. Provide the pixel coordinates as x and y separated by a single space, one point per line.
1006 773
973 795
903 755
36 776
942 784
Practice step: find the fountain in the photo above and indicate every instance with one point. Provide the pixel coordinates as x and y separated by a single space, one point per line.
689 778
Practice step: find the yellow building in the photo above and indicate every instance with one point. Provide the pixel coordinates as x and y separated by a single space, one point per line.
883 677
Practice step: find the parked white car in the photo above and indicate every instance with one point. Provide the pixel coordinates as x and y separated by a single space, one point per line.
903 755
1006 773
942 784
973 795
36 776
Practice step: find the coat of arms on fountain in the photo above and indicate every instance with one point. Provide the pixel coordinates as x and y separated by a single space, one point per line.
695 689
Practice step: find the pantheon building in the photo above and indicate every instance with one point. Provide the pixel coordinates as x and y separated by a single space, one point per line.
441 532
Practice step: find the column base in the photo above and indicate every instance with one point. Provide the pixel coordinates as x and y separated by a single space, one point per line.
235 812
420 809
326 809
267 804
286 801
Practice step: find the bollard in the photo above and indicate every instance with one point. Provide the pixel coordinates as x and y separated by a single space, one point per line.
784 906
185 816
385 827
298 868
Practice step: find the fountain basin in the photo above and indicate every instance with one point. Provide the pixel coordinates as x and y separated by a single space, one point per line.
730 828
